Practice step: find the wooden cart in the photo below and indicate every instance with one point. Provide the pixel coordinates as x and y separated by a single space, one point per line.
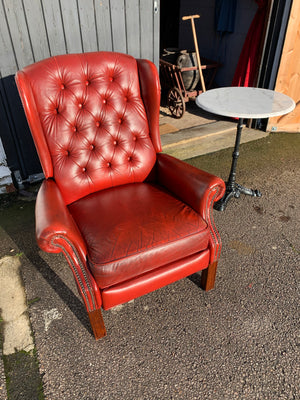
172 83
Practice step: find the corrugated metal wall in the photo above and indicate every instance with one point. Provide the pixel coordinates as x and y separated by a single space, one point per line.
31 30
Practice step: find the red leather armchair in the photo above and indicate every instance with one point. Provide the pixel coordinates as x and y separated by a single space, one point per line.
128 218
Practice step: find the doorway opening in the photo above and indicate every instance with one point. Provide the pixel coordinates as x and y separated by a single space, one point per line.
218 40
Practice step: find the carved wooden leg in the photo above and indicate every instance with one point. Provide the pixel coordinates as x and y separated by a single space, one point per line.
208 276
97 324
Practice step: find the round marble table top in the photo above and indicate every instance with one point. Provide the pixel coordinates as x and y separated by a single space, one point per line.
245 102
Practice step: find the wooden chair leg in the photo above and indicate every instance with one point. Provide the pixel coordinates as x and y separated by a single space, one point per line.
97 324
208 276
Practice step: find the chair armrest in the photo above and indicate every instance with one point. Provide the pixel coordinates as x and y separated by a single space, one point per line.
53 220
56 231
195 187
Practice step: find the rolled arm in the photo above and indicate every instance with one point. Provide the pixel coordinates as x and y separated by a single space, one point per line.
193 186
54 220
56 231
196 188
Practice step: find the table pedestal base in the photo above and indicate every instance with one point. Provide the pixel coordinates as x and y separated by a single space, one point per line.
234 191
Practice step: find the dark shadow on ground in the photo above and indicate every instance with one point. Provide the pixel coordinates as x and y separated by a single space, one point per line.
17 219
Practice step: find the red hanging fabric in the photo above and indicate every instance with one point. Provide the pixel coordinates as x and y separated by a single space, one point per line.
248 62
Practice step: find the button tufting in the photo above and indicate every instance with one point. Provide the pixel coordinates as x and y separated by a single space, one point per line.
85 119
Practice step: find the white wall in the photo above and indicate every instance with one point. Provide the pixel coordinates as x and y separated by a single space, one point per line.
226 49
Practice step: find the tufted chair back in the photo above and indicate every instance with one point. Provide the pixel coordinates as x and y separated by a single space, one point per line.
89 121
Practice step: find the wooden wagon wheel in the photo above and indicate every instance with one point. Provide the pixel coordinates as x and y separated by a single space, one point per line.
176 103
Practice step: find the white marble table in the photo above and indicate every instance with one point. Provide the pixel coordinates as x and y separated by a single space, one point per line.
242 102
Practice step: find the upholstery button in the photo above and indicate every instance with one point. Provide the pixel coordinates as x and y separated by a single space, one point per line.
129 158
74 129
92 147
67 152
120 120
62 86
134 138
87 82
80 105
104 101
97 124
55 111
83 169
108 164
115 142
111 79
126 98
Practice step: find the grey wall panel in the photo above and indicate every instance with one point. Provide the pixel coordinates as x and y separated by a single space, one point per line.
54 27
72 31
87 19
36 28
18 32
104 31
132 18
7 58
146 26
31 30
118 25
156 33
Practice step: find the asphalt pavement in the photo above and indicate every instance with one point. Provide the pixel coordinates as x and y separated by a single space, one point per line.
238 341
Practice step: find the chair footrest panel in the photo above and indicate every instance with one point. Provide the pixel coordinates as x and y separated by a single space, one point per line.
126 291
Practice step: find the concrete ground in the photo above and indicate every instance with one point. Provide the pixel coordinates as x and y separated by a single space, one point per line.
238 341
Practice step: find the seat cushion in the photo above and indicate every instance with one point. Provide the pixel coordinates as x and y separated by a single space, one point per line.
135 228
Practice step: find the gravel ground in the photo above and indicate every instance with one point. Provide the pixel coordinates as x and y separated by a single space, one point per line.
238 341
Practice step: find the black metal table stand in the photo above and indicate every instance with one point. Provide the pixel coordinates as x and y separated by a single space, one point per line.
233 189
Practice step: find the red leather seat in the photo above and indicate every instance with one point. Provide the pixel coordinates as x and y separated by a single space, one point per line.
128 218
142 228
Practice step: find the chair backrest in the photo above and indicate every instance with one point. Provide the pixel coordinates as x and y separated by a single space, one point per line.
88 121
